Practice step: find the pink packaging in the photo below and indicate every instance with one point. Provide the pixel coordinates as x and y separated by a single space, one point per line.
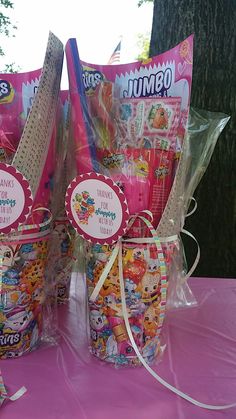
14 110
94 90
145 175
17 93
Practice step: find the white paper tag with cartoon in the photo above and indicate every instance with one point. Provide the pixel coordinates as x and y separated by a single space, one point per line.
97 208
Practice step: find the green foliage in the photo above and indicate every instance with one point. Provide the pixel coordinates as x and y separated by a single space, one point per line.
144 1
144 45
6 3
5 23
6 29
11 68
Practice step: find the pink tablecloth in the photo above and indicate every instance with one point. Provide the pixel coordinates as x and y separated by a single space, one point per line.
66 382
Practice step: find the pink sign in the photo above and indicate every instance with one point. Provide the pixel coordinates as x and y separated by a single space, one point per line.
97 208
15 198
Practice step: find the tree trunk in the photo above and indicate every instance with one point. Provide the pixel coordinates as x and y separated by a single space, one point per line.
213 23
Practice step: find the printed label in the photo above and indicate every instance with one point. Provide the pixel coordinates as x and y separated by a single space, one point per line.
97 208
91 79
15 198
6 92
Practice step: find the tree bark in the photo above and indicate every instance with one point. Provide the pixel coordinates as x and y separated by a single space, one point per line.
213 23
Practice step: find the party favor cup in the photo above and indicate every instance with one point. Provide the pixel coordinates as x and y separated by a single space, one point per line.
22 291
145 295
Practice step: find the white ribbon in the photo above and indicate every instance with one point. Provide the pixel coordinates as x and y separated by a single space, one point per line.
14 397
22 238
12 237
190 272
194 208
18 394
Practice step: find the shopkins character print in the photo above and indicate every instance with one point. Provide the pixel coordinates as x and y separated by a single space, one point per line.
112 306
22 296
10 278
138 253
97 320
9 256
12 354
18 319
84 206
19 332
112 160
11 299
159 117
161 172
38 296
100 331
102 254
111 347
32 275
151 349
135 270
111 284
151 282
130 287
133 298
151 321
125 351
14 325
28 252
141 167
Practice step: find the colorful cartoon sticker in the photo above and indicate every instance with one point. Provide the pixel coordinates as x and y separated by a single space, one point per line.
159 117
